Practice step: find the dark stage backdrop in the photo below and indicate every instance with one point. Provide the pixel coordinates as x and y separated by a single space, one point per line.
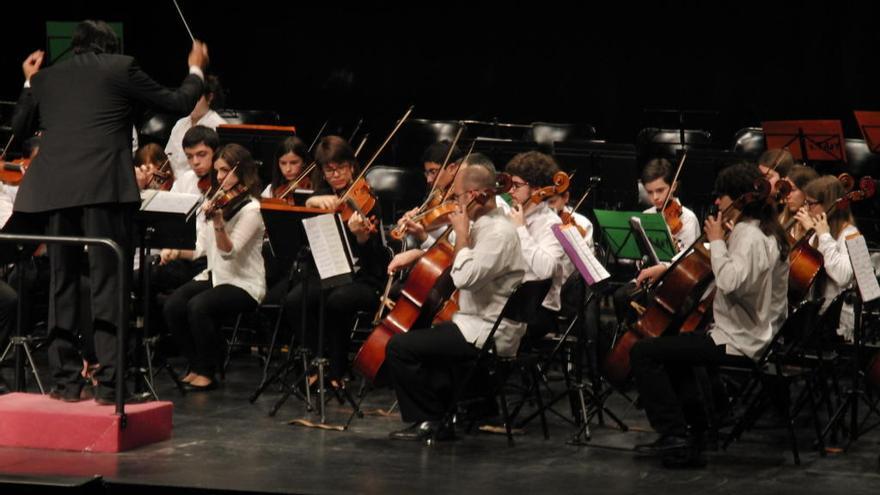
520 62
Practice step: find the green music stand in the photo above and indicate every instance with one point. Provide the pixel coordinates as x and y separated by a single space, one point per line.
620 239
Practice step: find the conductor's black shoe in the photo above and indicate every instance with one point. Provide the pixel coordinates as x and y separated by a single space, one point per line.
68 394
666 443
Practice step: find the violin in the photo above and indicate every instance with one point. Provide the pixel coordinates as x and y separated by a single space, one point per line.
676 295
560 185
427 286
162 178
284 192
568 217
359 197
229 201
12 172
204 184
672 209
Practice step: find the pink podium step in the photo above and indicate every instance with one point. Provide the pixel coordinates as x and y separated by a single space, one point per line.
36 421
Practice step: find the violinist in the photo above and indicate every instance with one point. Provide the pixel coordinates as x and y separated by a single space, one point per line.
488 266
235 279
559 204
203 114
291 159
831 232
178 266
798 177
337 164
542 252
148 160
748 266
438 178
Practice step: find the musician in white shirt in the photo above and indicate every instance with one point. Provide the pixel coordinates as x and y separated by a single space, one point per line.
204 115
749 267
488 266
235 279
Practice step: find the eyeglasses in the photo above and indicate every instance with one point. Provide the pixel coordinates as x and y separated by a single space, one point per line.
330 171
517 185
811 202
431 172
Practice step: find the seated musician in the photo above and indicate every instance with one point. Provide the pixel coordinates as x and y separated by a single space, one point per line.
203 114
774 165
338 167
748 268
200 143
234 280
542 252
559 204
831 232
657 177
148 159
798 177
432 162
291 159
488 266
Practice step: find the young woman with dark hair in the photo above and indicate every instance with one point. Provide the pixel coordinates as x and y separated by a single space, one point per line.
235 278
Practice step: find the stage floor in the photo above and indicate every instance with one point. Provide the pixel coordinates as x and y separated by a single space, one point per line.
221 442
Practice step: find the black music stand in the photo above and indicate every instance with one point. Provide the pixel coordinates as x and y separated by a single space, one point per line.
17 253
261 140
807 140
158 230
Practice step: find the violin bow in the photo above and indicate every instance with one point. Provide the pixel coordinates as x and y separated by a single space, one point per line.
6 148
318 135
674 181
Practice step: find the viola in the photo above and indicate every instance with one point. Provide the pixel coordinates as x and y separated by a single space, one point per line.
677 294
12 172
806 261
205 183
568 217
427 286
284 192
560 185
229 201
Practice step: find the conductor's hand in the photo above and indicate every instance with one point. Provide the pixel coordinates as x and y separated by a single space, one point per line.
31 65
198 56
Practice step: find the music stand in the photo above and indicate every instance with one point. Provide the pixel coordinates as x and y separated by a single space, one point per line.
616 230
261 140
869 124
159 230
20 223
807 140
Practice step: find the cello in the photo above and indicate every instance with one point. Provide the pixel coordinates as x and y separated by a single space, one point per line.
427 286
677 293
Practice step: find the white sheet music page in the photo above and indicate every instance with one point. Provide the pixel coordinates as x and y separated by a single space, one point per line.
863 268
327 246
168 202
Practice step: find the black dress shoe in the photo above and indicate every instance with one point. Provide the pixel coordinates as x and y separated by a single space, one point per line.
666 443
65 395
425 431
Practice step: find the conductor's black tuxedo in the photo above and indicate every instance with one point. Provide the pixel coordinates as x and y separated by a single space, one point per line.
83 179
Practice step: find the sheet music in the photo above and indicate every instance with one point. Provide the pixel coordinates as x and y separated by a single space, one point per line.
580 254
327 246
863 268
168 202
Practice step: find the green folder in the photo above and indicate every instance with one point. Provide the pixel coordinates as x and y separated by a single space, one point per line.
620 239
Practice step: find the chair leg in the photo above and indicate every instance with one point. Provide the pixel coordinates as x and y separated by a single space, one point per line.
540 402
505 414
820 442
229 346
272 341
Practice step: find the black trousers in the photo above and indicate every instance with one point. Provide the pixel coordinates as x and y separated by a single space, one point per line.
424 364
8 302
194 313
341 305
104 220
664 371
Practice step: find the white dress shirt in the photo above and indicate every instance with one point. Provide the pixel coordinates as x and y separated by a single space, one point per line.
748 271
7 199
542 252
838 277
486 273
174 148
690 226
242 266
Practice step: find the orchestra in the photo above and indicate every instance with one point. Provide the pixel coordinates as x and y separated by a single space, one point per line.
459 253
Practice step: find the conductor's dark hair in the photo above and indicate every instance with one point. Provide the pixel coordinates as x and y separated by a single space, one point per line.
214 88
95 37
